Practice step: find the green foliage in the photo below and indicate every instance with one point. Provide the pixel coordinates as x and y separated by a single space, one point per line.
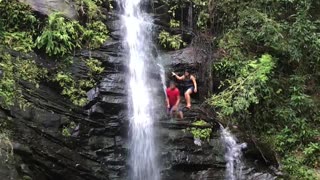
21 30
171 41
75 89
94 66
200 133
296 169
200 13
285 101
72 89
174 23
18 41
89 8
95 34
67 130
244 89
13 72
312 153
12 11
60 37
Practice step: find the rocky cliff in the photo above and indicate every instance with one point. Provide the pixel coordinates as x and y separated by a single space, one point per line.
97 148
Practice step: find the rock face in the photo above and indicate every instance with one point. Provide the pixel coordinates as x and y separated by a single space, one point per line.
49 6
97 148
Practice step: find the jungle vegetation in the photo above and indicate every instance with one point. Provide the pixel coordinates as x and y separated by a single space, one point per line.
269 72
23 32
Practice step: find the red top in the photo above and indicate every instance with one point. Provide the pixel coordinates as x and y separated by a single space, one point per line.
173 95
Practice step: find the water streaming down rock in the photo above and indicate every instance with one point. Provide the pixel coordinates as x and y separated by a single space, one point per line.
233 155
163 78
138 26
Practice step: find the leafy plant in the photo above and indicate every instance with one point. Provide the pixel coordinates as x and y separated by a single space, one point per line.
171 41
95 34
76 89
294 166
89 8
200 133
13 72
243 90
18 41
312 153
94 66
60 37
174 23
12 11
71 88
67 130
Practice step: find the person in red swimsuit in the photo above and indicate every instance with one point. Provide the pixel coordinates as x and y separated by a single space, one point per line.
173 100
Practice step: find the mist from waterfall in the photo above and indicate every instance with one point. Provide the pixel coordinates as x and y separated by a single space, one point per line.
138 25
233 155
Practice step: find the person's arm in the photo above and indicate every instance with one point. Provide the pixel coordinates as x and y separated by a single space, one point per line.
167 100
178 77
194 84
178 101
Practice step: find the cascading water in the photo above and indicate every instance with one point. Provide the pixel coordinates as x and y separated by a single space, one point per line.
233 155
163 77
138 26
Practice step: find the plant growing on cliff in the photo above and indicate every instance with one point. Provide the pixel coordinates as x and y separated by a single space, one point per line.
71 88
60 37
75 89
89 9
11 12
67 129
171 41
18 41
95 34
14 71
201 132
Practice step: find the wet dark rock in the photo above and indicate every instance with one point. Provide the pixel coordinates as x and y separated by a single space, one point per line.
113 48
113 84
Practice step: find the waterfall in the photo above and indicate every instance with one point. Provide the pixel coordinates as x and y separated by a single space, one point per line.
143 161
163 78
233 155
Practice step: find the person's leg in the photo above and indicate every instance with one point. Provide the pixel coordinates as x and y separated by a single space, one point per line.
188 98
170 112
180 114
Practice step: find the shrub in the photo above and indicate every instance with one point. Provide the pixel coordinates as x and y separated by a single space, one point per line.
200 133
60 37
171 41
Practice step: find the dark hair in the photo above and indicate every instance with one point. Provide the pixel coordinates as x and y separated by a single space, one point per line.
187 70
172 82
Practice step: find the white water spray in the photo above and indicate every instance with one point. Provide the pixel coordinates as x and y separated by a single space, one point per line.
138 26
233 155
163 78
